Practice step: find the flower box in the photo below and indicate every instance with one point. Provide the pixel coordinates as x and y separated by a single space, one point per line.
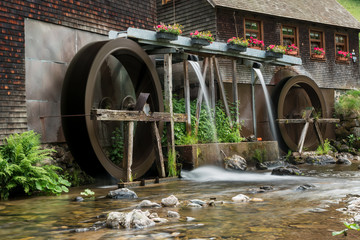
271 54
256 47
317 56
292 53
166 36
342 59
199 42
236 47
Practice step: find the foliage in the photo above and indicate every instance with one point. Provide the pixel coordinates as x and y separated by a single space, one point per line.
319 51
207 133
174 29
116 152
322 150
77 177
348 103
292 47
253 42
87 193
171 164
259 155
238 41
21 167
203 35
276 48
353 7
343 54
353 226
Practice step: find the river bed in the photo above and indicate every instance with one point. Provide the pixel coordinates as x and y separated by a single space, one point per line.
285 213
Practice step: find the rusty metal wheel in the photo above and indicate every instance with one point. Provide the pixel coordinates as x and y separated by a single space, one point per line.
108 75
292 96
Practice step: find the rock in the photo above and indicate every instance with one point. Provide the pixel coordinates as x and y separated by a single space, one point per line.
189 219
159 220
355 131
241 198
318 210
235 162
357 218
344 148
173 214
199 202
306 186
134 219
79 199
256 200
343 160
148 204
320 160
261 189
194 205
251 138
170 201
122 193
261 166
289 170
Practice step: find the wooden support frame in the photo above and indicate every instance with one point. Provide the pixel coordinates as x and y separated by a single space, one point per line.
212 84
235 92
187 97
128 150
158 150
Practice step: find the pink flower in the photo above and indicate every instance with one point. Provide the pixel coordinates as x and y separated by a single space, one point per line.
191 34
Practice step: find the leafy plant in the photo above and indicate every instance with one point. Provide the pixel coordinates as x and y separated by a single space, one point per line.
259 155
171 164
348 103
174 29
253 42
203 35
116 152
276 48
322 150
319 51
238 41
353 226
21 167
87 193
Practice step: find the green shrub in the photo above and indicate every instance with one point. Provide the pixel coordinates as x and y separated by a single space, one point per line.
322 150
21 167
348 103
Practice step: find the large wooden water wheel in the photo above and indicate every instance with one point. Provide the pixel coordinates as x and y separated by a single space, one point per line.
300 104
109 75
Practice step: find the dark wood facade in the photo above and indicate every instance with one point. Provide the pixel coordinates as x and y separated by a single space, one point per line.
92 16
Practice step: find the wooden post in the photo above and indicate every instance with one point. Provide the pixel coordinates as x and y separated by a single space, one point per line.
158 150
187 97
212 84
200 96
168 101
222 89
318 133
128 149
235 91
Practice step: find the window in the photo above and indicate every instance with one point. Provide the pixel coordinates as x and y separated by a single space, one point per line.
341 42
253 29
316 40
165 1
289 36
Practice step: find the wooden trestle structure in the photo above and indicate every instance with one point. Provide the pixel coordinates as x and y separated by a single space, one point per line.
181 48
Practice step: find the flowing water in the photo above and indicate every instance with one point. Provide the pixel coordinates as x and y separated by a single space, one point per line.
285 213
268 104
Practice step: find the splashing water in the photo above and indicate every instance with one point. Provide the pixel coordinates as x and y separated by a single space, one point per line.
268 104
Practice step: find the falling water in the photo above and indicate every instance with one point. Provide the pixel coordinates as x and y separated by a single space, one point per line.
197 69
268 103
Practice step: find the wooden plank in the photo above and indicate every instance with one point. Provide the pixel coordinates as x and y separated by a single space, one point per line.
321 120
168 101
235 92
318 133
128 150
302 137
328 120
125 115
187 97
212 84
222 89
158 150
147 182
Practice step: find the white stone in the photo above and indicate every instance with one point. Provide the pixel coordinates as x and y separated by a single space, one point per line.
172 214
170 201
241 198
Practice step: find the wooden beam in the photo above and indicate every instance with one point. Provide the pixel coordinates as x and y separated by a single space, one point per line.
298 120
168 101
302 137
235 92
128 150
187 97
212 84
137 116
318 133
222 89
158 150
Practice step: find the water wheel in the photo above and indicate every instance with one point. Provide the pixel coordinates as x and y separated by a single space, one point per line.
109 75
292 96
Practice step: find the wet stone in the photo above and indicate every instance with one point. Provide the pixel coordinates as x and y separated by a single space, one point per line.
170 201
199 202
261 166
235 162
148 204
290 170
318 210
189 219
241 198
343 160
320 160
173 214
194 205
134 219
306 186
122 193
79 199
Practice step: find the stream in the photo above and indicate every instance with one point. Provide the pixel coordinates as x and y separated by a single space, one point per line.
284 213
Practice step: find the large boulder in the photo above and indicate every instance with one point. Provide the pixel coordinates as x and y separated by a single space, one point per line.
320 160
235 162
134 219
122 193
170 201
289 170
